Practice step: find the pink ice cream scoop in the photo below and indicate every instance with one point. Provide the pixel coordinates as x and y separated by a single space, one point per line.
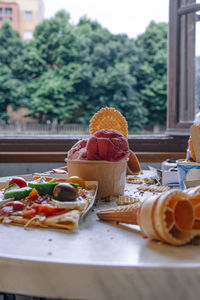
107 144
104 144
78 151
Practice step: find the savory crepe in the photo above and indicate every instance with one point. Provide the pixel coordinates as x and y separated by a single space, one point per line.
42 210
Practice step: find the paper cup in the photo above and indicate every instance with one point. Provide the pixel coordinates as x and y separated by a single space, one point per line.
187 171
111 176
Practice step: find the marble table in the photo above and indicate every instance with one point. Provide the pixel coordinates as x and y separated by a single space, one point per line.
97 261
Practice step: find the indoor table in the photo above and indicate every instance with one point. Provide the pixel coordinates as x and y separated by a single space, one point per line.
99 260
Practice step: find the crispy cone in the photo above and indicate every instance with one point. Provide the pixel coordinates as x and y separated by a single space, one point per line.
168 217
109 118
122 214
133 165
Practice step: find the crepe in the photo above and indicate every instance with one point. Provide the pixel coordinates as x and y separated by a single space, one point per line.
50 213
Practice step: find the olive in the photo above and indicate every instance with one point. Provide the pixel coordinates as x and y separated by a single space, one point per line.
65 192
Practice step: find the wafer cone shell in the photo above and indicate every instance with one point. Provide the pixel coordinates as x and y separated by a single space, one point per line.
122 214
152 218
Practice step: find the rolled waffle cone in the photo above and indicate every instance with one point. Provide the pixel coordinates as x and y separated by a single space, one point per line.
123 214
168 217
109 118
133 165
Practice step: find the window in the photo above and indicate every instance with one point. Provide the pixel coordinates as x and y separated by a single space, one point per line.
183 99
183 65
28 35
8 12
28 16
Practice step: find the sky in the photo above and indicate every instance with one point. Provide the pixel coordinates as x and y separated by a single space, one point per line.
118 16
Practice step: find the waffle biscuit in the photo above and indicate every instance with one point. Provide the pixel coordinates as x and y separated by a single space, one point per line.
134 180
150 180
109 118
125 200
133 165
153 188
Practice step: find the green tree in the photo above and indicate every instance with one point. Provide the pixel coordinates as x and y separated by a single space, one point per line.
12 90
85 70
152 73
113 62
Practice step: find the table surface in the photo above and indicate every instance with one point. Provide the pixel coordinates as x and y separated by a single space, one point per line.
98 260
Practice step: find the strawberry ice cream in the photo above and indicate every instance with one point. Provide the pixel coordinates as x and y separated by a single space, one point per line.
104 144
78 151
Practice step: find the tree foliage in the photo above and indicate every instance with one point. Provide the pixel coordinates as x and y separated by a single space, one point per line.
152 73
68 72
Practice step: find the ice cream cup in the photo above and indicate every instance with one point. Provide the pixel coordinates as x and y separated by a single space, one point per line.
111 176
187 171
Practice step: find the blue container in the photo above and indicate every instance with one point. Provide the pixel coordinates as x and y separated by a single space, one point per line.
187 171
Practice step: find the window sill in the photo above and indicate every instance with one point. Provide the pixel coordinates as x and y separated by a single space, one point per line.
155 148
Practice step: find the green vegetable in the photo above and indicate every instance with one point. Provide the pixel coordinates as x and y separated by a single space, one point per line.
43 188
76 185
13 186
17 194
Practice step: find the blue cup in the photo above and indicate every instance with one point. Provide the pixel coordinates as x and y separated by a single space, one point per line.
187 171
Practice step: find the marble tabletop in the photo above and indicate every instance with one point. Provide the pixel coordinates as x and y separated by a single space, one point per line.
98 260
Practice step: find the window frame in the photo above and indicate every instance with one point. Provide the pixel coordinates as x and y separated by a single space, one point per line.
27 14
181 67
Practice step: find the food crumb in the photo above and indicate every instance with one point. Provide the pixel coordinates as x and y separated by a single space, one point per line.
49 253
50 240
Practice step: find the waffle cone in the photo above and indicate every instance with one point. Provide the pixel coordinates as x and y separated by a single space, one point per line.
109 118
133 165
191 143
122 214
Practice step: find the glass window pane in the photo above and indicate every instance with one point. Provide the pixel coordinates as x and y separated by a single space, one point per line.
187 64
8 12
28 16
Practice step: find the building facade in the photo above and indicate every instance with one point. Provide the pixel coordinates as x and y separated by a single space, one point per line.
24 15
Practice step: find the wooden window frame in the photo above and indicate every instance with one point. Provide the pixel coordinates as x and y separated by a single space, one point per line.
181 66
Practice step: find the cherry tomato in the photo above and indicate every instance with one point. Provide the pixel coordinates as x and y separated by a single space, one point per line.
76 179
21 182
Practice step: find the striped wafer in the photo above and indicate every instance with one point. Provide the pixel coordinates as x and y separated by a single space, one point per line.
109 118
153 188
125 200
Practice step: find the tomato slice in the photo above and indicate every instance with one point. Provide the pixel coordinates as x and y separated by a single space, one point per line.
10 207
59 171
17 205
21 182
47 210
29 213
